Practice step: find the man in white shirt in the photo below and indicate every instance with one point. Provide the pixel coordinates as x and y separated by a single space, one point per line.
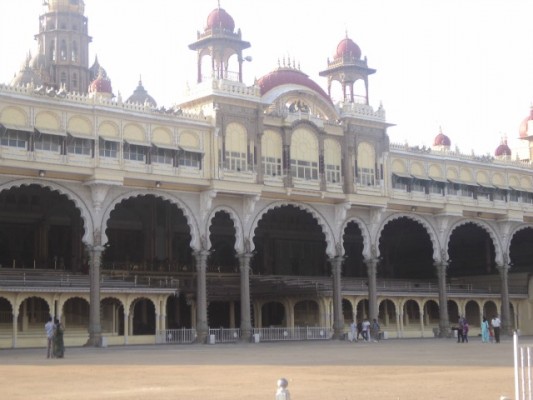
49 328
366 330
496 324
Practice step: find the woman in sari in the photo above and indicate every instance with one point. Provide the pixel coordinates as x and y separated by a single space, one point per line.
485 331
59 346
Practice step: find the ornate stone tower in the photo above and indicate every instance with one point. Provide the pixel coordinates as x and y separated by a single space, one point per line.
347 67
63 46
220 41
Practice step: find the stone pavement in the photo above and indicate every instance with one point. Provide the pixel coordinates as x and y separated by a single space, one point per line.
334 370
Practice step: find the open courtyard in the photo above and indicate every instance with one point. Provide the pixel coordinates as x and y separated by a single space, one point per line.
333 370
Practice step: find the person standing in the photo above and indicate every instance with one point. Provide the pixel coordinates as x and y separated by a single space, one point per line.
496 324
485 331
466 327
460 324
49 329
353 331
366 330
374 330
59 346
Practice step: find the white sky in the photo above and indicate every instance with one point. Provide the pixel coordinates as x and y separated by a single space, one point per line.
465 65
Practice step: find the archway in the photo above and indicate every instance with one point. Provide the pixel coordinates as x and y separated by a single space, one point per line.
353 240
75 314
490 310
347 312
6 315
34 312
387 313
179 314
411 314
306 313
472 313
289 241
222 235
112 311
521 251
147 233
406 249
471 251
273 315
143 317
431 313
40 229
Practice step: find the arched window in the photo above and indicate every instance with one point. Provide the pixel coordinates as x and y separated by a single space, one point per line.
53 51
271 149
63 78
74 80
236 148
63 51
332 160
304 155
74 53
365 165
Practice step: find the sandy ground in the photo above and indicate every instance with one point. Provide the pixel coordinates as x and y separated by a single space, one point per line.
337 370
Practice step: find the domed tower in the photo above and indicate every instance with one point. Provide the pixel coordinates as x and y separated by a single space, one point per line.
220 41
441 142
63 46
503 152
101 87
141 96
347 68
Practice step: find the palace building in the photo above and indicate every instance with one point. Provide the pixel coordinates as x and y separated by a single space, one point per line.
245 207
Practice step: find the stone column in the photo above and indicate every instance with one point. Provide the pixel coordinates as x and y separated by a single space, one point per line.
444 319
15 329
338 318
202 327
246 318
126 326
372 270
95 326
505 308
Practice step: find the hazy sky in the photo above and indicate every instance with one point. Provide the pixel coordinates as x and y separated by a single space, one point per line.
464 65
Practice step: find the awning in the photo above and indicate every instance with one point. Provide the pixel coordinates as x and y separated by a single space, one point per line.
501 186
438 179
138 143
402 175
420 177
191 149
50 132
110 138
167 146
486 185
78 135
15 127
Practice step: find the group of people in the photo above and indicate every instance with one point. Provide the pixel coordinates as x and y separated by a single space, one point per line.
54 335
365 329
490 331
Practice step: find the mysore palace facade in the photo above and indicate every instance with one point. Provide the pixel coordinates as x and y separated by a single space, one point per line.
245 206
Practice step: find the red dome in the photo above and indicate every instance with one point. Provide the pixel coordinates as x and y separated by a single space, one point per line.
523 130
100 85
220 19
502 150
284 76
348 48
442 140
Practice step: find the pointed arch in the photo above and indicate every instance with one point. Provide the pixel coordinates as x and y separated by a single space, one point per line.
237 223
367 241
322 222
189 215
80 203
498 258
416 218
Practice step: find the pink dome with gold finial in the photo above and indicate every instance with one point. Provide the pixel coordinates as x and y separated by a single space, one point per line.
220 19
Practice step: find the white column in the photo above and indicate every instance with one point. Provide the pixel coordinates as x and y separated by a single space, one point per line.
422 323
338 318
126 327
246 318
15 330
